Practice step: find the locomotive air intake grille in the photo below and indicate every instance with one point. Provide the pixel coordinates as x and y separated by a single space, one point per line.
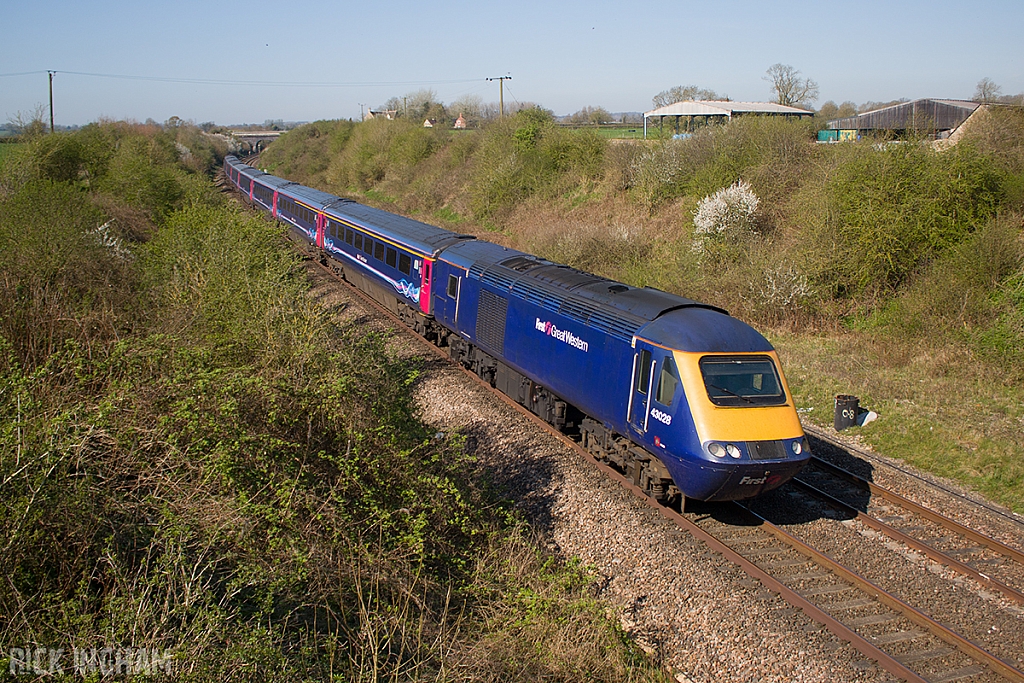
490 321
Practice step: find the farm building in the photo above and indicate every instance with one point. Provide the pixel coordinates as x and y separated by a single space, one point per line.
702 112
935 118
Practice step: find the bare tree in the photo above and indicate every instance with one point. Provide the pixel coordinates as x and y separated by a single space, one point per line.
471 106
987 91
685 93
30 124
789 88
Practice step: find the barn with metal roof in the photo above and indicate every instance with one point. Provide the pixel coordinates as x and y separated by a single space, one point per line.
701 112
937 118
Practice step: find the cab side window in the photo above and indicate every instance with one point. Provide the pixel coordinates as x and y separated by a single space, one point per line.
643 374
667 383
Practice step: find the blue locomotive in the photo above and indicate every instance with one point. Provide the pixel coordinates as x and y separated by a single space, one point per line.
689 402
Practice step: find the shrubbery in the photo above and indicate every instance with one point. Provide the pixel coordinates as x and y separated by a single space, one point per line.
196 459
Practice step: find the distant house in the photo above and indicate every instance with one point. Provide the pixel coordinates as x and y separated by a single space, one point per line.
389 114
430 123
460 122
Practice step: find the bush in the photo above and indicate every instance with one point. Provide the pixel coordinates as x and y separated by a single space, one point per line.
60 280
885 213
526 155
769 151
729 209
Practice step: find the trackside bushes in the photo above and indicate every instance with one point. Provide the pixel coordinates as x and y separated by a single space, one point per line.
889 211
197 460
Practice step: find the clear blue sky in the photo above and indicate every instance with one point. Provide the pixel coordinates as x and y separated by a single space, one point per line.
563 55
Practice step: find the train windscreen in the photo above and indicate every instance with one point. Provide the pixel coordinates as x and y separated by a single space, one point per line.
742 381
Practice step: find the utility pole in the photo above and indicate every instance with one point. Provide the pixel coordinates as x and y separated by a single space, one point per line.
501 93
362 117
51 99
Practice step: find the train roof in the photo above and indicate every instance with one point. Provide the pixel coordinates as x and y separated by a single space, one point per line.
314 198
250 172
616 308
423 237
705 330
275 182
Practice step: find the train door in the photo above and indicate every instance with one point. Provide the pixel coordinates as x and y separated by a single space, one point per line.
446 297
644 367
425 285
321 222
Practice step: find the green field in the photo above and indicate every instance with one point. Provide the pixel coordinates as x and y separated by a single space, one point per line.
617 132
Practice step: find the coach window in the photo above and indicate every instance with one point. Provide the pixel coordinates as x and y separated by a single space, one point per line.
368 245
350 236
378 251
392 257
453 287
404 263
667 383
358 243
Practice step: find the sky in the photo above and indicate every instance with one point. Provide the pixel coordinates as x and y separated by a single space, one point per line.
233 62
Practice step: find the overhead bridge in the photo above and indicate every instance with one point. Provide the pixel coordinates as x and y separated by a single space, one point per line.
255 140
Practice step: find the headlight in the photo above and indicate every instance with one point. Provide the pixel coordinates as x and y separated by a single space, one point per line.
798 447
733 450
716 449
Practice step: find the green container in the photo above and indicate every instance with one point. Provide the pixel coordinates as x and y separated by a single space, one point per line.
828 136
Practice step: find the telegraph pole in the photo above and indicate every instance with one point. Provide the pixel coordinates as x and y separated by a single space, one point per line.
51 99
501 93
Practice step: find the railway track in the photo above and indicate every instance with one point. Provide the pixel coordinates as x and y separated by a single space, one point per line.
888 625
988 561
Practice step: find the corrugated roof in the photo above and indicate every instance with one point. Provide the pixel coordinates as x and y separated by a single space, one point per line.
923 114
724 108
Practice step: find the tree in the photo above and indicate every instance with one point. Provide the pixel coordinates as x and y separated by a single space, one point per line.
987 91
830 110
470 106
594 115
30 125
685 93
789 88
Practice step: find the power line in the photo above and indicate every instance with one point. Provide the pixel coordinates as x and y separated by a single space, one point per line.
216 81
